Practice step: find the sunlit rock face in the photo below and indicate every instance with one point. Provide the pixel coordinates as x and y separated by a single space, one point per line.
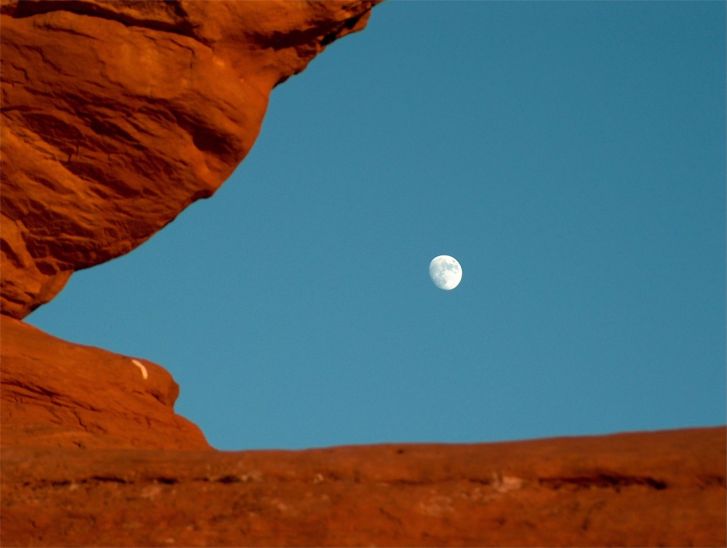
118 114
58 394
641 489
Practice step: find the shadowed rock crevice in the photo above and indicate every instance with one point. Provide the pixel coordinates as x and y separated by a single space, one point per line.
603 481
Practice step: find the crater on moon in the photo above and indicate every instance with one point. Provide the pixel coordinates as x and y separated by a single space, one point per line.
446 272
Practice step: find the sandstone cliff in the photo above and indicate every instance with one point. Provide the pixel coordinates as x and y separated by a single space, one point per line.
117 114
658 489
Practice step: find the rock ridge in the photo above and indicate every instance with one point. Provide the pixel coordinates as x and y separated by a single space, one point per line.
587 491
58 394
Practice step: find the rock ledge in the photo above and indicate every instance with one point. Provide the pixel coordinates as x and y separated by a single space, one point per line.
640 489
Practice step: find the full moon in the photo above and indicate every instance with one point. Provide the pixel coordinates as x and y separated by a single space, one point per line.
445 271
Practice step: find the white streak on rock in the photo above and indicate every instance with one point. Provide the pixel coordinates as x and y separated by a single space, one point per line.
140 365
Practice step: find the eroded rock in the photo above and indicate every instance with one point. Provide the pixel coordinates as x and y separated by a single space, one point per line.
641 489
58 394
118 114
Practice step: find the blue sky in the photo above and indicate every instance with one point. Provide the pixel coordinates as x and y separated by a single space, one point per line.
571 156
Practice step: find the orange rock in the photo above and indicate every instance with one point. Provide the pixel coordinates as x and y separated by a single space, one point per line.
647 489
58 394
118 114
90 455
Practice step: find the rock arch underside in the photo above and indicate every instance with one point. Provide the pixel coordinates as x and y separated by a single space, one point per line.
118 114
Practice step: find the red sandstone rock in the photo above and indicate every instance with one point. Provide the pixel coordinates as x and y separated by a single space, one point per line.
74 419
646 489
57 394
118 114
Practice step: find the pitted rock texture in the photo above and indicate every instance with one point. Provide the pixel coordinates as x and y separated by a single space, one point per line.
642 489
118 114
58 394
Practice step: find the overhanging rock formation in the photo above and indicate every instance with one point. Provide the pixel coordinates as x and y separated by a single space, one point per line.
118 114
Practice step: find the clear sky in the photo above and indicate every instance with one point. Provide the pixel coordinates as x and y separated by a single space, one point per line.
571 156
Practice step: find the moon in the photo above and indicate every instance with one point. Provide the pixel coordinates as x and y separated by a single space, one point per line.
446 272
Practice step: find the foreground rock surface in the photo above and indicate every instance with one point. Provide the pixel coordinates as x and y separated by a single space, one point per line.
642 489
58 394
117 114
